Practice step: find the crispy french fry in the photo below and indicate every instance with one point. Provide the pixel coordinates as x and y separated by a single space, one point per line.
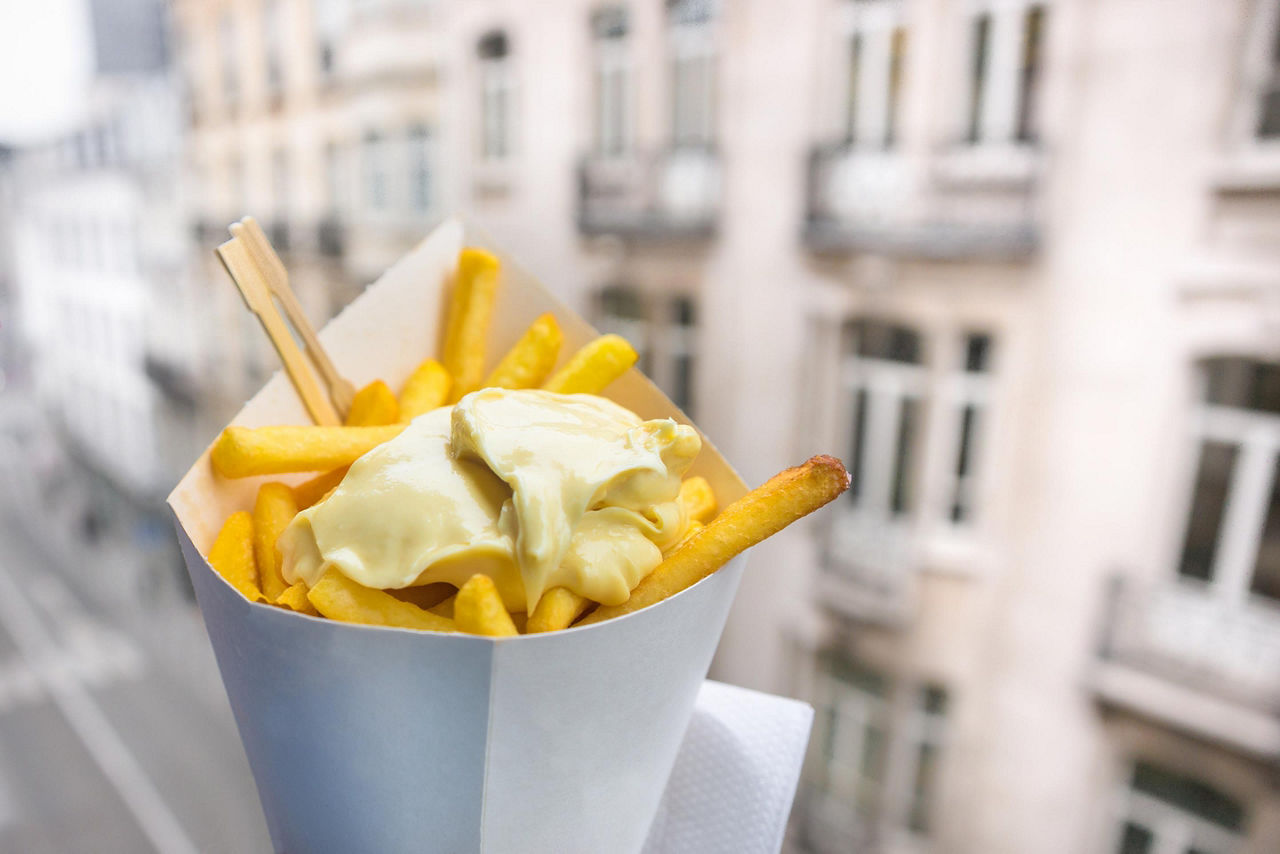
529 362
594 366
426 389
295 599
274 508
478 609
232 555
247 451
339 598
761 513
474 290
309 492
556 610
373 405
697 498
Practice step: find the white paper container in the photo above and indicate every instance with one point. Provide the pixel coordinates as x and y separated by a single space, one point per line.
368 739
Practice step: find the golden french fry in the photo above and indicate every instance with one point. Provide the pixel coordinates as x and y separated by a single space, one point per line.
474 290
274 508
478 609
556 610
309 492
444 608
339 598
247 451
426 389
761 513
232 555
373 405
295 599
698 500
594 366
694 527
529 362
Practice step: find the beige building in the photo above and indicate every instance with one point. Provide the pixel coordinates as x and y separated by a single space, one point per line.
1013 261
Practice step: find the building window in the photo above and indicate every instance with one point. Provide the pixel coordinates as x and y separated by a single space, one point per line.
1162 810
884 384
237 185
971 392
329 18
663 331
375 172
1269 109
692 54
1233 532
612 82
496 135
927 725
228 56
622 312
877 46
875 755
420 189
1006 50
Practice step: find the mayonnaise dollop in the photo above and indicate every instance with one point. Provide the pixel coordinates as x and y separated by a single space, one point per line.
534 489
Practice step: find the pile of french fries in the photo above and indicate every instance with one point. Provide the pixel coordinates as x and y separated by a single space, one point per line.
245 551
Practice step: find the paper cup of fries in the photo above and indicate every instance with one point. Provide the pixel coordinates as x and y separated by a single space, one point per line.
373 739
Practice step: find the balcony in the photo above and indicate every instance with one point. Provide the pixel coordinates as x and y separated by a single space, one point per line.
961 203
673 194
1174 653
868 572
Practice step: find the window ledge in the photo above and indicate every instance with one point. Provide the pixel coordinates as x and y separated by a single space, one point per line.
1249 169
954 551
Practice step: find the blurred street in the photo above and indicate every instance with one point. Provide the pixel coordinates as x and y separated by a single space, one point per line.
115 735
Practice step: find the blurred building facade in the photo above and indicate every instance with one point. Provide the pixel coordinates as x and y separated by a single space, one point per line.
1012 260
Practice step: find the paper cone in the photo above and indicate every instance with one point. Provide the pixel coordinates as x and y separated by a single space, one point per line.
368 739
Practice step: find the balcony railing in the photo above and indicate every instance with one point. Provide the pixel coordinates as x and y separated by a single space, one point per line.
955 204
671 194
868 572
1164 641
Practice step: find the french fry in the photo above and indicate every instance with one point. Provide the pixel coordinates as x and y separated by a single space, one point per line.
444 608
478 610
426 389
594 366
309 492
761 513
295 599
556 610
475 288
248 451
232 555
339 598
529 362
274 508
694 527
373 405
698 500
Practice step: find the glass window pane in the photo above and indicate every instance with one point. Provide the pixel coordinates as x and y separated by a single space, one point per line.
1032 39
874 748
1213 480
903 498
1136 839
1266 570
851 101
977 353
968 425
922 788
978 72
1191 795
897 55
858 440
1243 384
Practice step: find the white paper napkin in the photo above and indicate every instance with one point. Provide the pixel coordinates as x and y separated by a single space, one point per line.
735 776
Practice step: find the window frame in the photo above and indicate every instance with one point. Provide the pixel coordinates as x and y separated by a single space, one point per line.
994 110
